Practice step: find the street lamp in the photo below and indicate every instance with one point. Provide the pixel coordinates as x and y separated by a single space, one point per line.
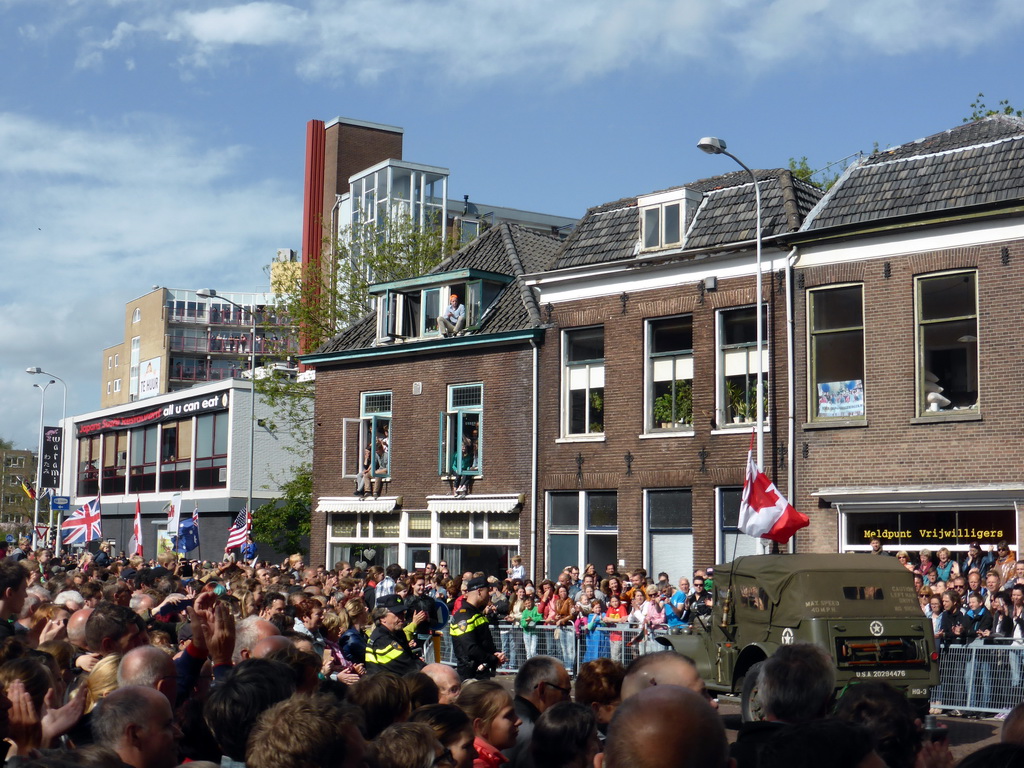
39 461
35 371
210 293
63 416
716 146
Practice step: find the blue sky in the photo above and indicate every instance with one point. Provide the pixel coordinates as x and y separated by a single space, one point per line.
160 142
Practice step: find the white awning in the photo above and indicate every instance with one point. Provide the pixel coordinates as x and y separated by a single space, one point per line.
355 504
499 503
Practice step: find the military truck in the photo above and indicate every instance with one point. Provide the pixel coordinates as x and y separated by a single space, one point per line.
862 609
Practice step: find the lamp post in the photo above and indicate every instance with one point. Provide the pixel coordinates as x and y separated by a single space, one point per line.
210 293
39 461
716 146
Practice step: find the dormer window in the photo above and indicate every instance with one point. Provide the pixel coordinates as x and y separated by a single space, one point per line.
661 226
664 217
407 310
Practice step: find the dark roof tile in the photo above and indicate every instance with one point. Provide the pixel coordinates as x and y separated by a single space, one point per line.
974 164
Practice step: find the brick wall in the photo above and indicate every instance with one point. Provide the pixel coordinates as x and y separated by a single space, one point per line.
507 374
664 462
893 447
350 149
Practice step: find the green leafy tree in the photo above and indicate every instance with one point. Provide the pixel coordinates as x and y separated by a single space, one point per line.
284 523
980 110
6 445
321 301
821 178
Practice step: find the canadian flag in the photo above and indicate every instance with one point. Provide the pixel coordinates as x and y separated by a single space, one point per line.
135 543
764 512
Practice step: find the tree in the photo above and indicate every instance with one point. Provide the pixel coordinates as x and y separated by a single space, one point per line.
980 110
325 298
284 523
6 445
802 170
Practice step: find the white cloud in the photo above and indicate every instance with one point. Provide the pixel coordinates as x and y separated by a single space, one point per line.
566 42
96 216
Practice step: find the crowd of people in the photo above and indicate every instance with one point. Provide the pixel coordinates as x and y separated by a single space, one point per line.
977 601
113 661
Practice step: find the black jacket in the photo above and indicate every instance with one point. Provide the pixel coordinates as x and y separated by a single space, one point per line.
389 652
472 643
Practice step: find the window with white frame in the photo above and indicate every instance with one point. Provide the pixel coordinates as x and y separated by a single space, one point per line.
460 444
737 364
662 226
117 385
411 312
133 370
836 326
947 342
670 373
583 377
582 528
670 531
366 441
732 542
136 315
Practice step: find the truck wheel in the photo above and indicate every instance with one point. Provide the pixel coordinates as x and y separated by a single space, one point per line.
750 702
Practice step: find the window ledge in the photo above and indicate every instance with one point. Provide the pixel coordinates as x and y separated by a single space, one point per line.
667 433
595 438
940 417
835 424
740 429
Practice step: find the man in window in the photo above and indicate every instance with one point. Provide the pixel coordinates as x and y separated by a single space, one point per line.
453 320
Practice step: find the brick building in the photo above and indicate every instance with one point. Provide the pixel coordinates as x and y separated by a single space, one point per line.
908 345
609 359
649 374
15 505
451 410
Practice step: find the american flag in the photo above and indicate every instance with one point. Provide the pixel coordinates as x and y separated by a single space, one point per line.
84 525
239 529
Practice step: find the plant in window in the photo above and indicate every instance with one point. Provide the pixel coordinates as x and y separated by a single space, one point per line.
597 411
739 405
675 411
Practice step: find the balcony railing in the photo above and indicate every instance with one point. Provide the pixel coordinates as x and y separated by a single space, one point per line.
217 343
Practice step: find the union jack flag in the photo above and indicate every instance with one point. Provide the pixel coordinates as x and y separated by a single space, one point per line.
239 529
84 525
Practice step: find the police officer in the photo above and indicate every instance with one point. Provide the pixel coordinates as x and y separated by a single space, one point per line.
471 635
388 649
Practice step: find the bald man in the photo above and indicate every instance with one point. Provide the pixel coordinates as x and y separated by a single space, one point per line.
449 684
248 632
138 724
663 668
151 667
665 726
268 645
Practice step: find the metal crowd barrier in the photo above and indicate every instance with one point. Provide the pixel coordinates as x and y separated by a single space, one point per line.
987 679
980 678
621 642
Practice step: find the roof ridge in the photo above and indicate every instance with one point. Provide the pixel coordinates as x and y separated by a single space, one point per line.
525 294
881 161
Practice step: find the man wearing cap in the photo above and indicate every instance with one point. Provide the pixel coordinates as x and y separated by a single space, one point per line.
388 649
471 636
